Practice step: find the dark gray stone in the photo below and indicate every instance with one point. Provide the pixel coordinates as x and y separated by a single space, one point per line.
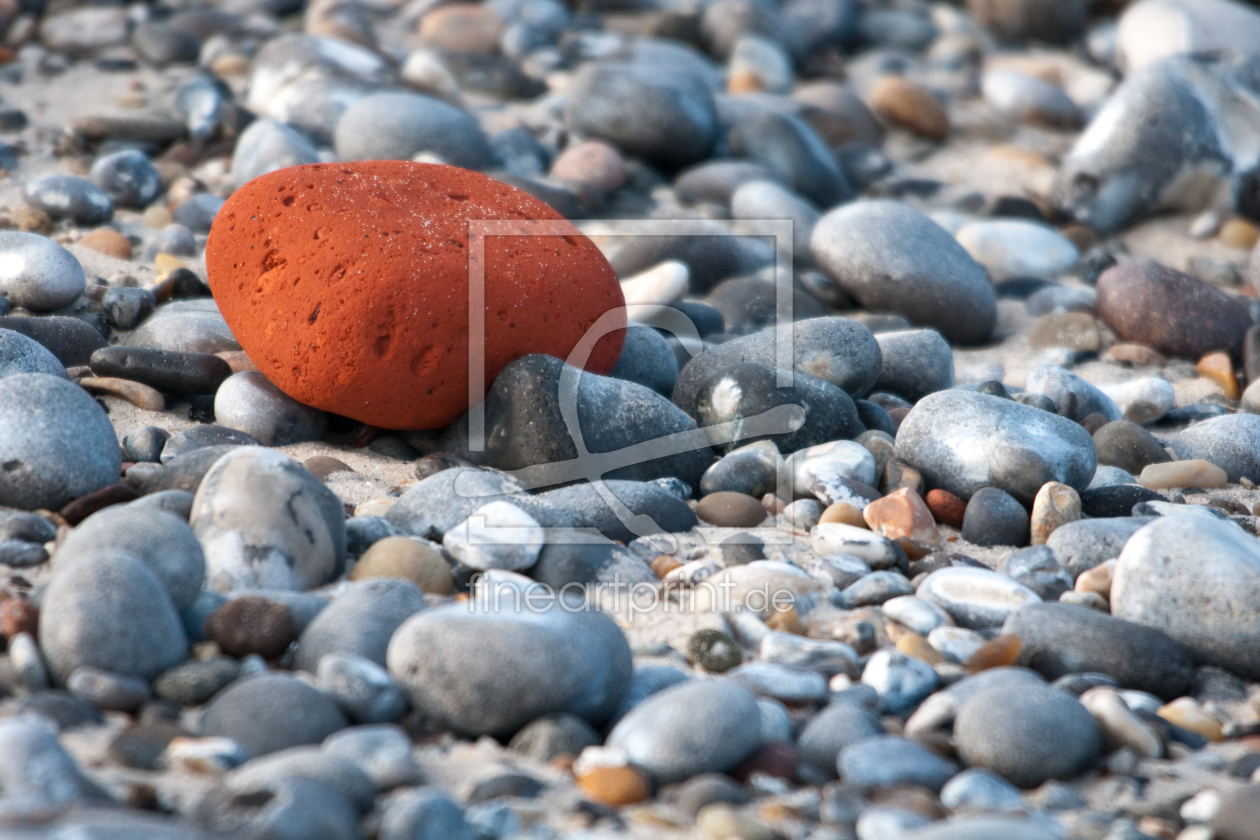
788 145
837 726
69 197
647 359
359 621
72 341
398 126
1038 568
887 761
1082 545
171 372
994 517
128 177
272 712
915 363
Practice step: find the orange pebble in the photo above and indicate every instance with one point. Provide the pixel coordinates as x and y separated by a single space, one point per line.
1218 368
997 653
615 786
947 508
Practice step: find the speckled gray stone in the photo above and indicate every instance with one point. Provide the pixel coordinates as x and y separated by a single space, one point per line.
1072 396
360 621
1086 543
128 177
962 441
69 197
400 125
892 258
1232 442
19 354
272 712
187 326
37 273
915 363
56 443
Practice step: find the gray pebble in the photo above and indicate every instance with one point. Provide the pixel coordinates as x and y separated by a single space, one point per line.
915 363
19 354
887 761
70 197
360 621
248 402
398 126
37 273
271 713
104 690
381 751
128 177
1038 568
646 358
266 146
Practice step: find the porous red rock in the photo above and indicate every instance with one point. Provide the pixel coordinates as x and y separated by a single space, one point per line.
347 285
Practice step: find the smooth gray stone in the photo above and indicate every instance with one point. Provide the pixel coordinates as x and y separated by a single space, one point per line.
1038 568
186 326
382 751
1027 734
359 621
438 503
700 726
962 441
19 354
71 340
248 402
128 177
587 508
1072 396
493 665
361 687
108 610
887 761
1232 442
835 350
915 363
1086 543
983 828
56 443
306 762
37 273
766 199
292 807
39 770
829 732
424 813
1061 639
161 540
400 125
267 145
273 712
647 358
69 197
892 258
1198 581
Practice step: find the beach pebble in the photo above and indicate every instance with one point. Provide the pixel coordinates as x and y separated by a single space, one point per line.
263 521
107 609
270 713
1061 639
251 625
767 199
753 469
198 212
902 681
1155 29
661 114
1228 441
383 350
361 687
910 106
1040 20
1027 734
400 126
69 197
248 402
1172 312
105 690
975 598
128 177
698 727
935 284
505 666
939 438
496 536
127 307
1083 545
267 145
1072 396
19 354
40 775
171 372
1037 568
788 145
915 363
37 273
1030 100
56 443
1208 581
1016 248
647 359
888 761
183 326
994 517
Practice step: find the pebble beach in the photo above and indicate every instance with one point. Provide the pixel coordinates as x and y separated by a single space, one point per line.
683 419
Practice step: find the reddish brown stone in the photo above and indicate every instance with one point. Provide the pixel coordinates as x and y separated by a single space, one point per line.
1174 313
902 514
347 285
250 624
18 615
946 507
773 758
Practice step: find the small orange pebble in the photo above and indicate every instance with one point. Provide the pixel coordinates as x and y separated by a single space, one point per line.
1239 233
946 508
107 241
1218 368
997 653
902 514
917 647
843 513
664 564
615 786
786 621
910 106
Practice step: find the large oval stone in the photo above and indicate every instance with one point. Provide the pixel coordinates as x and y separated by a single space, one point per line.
347 284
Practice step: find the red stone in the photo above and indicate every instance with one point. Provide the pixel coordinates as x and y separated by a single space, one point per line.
946 507
347 285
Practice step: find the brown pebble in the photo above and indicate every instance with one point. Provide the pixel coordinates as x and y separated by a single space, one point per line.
1097 579
18 615
1093 422
462 27
845 514
773 504
250 624
237 360
1055 505
31 220
615 786
946 508
728 509
437 462
777 759
902 514
1080 235
89 503
1077 331
409 559
322 466
910 106
897 415
917 647
143 797
664 564
997 653
786 621
1136 354
591 162
109 242
1239 233
1218 368
136 393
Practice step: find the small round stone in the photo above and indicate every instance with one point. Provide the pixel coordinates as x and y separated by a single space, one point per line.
410 559
69 197
129 177
994 517
37 273
714 651
109 242
947 508
399 126
249 403
910 106
730 510
270 713
252 625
